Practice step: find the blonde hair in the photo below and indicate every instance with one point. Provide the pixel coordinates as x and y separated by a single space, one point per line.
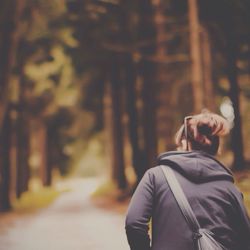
202 131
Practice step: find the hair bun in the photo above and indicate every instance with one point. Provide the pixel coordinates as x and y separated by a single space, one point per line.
204 129
204 126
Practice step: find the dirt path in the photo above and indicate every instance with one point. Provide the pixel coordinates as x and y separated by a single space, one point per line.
72 222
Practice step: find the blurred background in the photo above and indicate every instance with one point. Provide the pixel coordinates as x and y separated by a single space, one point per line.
98 88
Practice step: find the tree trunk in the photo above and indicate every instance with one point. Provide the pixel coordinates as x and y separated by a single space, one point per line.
146 91
11 13
118 146
133 124
164 116
50 154
236 139
23 135
148 72
149 114
209 99
108 127
195 50
23 170
39 149
9 32
5 138
42 144
13 153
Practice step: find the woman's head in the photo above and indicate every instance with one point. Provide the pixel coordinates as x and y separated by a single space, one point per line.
202 132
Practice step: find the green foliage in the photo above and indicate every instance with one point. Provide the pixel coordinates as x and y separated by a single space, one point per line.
35 200
64 55
53 89
106 189
89 157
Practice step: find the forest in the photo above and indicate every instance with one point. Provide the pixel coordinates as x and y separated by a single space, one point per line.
91 87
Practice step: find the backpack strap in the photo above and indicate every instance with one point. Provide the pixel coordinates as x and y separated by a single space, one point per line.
181 199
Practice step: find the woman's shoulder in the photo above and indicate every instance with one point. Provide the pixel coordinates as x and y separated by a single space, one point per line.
172 153
155 175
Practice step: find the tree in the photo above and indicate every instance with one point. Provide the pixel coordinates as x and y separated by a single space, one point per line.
147 72
227 32
207 70
237 140
130 73
5 164
195 50
11 13
118 145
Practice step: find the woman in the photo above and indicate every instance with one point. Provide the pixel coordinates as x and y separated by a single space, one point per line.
209 188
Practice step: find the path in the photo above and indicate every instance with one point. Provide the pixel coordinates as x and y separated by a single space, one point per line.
72 222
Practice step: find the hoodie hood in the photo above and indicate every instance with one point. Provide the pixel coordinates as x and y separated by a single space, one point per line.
196 166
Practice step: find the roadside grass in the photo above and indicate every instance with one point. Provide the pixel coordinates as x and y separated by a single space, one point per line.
36 197
107 189
108 196
31 200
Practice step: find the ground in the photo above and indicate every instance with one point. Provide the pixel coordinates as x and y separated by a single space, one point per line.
75 221
72 222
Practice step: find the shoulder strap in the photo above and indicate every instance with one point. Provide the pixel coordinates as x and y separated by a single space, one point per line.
180 198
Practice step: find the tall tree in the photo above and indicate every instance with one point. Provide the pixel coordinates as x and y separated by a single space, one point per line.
237 140
5 140
11 13
117 137
227 31
207 70
22 128
129 22
195 50
147 73
138 161
23 138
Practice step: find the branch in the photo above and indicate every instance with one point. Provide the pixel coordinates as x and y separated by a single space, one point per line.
138 56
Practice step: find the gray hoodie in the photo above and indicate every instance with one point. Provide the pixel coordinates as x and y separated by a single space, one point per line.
215 200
